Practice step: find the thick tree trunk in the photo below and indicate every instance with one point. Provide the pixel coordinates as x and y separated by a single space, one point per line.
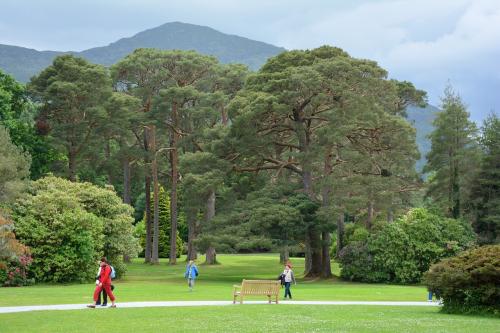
126 182
369 218
210 257
174 165
191 250
156 210
326 268
284 254
340 233
315 254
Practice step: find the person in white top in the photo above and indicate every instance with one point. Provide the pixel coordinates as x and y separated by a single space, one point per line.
289 278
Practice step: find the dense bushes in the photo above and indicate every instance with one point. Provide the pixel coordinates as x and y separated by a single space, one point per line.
68 226
15 258
469 282
402 251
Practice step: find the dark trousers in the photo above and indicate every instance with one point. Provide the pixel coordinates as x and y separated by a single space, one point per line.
287 290
104 296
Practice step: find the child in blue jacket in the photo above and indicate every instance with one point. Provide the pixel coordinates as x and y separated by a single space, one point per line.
191 274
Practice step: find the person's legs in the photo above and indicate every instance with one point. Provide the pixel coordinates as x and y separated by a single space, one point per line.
104 298
99 299
191 284
287 289
107 288
97 291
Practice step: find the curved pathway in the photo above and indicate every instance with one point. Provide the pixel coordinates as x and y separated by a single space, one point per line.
11 309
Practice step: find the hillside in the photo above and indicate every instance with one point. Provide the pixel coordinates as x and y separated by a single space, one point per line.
23 63
421 119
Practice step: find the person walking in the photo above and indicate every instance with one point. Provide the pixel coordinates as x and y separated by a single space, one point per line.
191 274
288 277
104 283
102 295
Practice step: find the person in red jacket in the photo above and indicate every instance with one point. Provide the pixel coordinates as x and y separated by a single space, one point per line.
104 283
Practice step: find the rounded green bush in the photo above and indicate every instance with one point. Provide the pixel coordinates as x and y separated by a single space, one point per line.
469 282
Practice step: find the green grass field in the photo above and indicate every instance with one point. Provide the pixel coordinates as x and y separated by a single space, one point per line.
163 283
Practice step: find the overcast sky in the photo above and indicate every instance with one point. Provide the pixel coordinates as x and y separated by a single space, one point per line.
428 42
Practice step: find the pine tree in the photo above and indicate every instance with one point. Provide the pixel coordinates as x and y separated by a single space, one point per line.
452 160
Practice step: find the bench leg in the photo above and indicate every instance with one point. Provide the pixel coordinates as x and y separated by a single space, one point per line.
277 296
234 299
269 298
241 299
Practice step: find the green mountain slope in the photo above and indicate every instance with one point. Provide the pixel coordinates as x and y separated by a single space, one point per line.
421 119
23 63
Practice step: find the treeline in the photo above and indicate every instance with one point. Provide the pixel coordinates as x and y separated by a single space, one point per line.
307 156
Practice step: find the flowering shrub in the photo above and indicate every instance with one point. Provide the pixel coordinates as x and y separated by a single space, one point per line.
15 273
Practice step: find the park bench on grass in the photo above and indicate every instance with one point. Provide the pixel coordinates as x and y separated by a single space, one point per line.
267 288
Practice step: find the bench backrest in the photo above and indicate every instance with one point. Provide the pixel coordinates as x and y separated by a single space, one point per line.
260 287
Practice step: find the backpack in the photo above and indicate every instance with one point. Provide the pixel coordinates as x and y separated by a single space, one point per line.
113 272
281 277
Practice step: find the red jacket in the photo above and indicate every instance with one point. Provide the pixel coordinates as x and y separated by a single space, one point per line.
105 276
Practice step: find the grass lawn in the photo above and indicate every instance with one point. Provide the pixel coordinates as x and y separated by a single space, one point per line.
165 283
249 318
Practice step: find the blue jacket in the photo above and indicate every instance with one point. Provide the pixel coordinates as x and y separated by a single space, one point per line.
191 272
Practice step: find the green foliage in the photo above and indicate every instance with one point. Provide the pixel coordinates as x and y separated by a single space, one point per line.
402 251
484 199
69 226
14 167
72 92
17 114
453 158
164 228
469 282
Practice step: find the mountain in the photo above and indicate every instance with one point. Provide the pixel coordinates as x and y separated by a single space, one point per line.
421 119
23 63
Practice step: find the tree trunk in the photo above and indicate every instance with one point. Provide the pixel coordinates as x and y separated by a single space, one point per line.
340 233
191 220
148 245
390 215
107 153
72 166
224 116
315 254
369 218
326 268
147 192
174 165
210 257
284 254
126 182
156 210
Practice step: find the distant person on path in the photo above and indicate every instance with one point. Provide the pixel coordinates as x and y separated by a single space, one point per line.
102 295
104 283
288 277
191 274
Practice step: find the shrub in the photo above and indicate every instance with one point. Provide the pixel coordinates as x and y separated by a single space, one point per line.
402 251
469 282
15 258
69 226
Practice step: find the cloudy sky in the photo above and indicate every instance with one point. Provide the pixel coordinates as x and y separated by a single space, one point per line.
428 42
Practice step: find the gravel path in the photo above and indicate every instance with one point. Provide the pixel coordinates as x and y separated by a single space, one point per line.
11 309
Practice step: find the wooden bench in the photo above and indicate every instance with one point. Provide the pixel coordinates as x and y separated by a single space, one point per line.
267 288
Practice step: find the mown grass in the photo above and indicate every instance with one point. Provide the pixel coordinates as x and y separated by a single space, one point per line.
249 318
162 282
